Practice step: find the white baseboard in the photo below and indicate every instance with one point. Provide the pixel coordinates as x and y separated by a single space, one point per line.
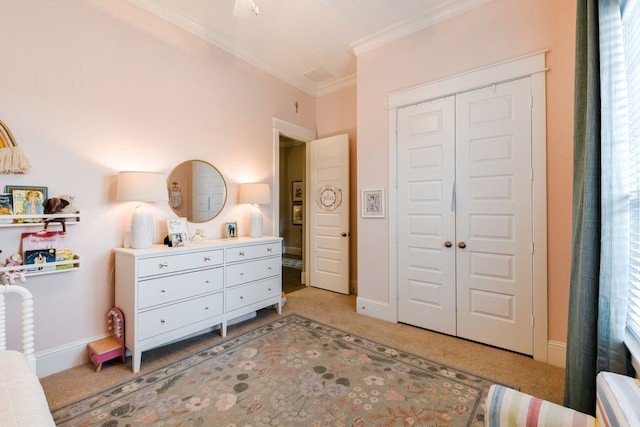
376 309
557 353
52 361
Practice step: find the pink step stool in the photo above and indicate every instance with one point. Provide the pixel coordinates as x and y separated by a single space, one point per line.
112 346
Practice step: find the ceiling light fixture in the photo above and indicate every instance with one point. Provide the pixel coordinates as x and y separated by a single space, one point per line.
244 8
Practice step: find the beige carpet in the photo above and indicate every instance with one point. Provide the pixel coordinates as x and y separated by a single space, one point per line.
338 310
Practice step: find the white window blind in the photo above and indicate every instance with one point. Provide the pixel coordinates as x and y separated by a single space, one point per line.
631 22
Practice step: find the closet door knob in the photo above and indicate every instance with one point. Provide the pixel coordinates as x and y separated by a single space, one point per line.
448 244
462 245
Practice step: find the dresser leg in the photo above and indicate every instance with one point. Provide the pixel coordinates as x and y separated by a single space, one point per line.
136 357
223 329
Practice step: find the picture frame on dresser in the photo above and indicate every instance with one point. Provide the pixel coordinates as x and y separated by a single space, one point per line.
178 226
231 230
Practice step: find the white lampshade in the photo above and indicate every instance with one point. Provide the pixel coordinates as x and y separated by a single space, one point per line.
255 194
142 187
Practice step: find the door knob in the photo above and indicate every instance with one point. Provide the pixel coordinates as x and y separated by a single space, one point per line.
462 245
344 234
448 244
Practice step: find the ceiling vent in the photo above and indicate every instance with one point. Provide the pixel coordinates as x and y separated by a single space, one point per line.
318 74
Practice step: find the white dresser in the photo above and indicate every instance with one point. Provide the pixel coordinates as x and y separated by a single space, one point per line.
170 293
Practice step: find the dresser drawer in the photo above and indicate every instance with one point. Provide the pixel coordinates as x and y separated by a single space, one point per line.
171 263
169 318
244 253
241 296
253 270
166 289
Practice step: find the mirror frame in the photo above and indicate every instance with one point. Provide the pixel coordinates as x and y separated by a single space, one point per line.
186 197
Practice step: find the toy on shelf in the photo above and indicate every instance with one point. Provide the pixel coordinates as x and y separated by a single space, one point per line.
112 346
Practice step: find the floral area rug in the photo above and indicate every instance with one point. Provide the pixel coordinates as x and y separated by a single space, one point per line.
292 372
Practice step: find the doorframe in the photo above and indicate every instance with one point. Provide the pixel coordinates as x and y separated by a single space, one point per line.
290 130
532 66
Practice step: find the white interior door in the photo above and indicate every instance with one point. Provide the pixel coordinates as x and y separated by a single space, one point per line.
465 227
328 213
426 213
494 216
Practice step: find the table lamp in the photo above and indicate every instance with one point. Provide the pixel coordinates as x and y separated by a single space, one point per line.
255 194
142 187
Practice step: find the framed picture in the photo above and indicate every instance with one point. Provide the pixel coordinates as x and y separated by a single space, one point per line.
296 214
27 200
178 226
231 230
176 239
373 203
296 191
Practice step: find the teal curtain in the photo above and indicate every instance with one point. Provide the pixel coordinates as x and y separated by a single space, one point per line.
599 272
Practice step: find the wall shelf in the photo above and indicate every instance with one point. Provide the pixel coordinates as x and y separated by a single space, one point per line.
45 219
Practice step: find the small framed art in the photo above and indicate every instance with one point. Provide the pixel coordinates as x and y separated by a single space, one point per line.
296 215
176 239
296 191
178 226
373 203
230 230
27 200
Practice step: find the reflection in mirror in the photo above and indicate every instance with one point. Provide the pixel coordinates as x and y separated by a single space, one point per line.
197 191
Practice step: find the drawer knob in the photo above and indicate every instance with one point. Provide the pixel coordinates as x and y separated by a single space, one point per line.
268 268
207 259
162 291
269 249
206 308
242 274
162 321
269 289
163 265
241 297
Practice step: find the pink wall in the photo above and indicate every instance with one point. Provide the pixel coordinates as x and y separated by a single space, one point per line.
337 114
498 31
89 88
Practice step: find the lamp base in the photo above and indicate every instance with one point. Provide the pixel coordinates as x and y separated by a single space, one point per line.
142 228
255 222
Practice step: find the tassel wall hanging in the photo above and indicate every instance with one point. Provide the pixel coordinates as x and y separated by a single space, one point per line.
12 159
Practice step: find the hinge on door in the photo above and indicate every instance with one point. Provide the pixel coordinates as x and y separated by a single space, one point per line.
531 174
533 247
533 321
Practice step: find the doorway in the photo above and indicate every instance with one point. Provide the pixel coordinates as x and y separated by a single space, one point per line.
291 205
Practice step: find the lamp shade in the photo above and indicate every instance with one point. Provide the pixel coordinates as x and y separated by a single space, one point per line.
142 187
254 193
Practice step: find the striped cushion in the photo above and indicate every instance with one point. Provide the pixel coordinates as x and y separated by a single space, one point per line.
508 407
618 400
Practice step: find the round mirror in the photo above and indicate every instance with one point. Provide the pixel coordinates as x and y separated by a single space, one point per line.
197 191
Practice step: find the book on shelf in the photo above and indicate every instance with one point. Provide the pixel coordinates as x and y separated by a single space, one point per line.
6 207
64 255
40 258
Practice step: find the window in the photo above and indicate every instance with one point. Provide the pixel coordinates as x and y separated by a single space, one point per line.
631 34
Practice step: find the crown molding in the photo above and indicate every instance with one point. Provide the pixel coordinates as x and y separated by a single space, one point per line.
198 30
405 28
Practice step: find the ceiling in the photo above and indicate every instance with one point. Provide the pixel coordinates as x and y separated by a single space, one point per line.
310 44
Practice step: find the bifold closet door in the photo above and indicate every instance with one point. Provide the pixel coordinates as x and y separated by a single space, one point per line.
465 215
494 216
426 215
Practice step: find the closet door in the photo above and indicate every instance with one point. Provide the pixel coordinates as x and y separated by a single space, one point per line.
465 251
426 215
494 216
